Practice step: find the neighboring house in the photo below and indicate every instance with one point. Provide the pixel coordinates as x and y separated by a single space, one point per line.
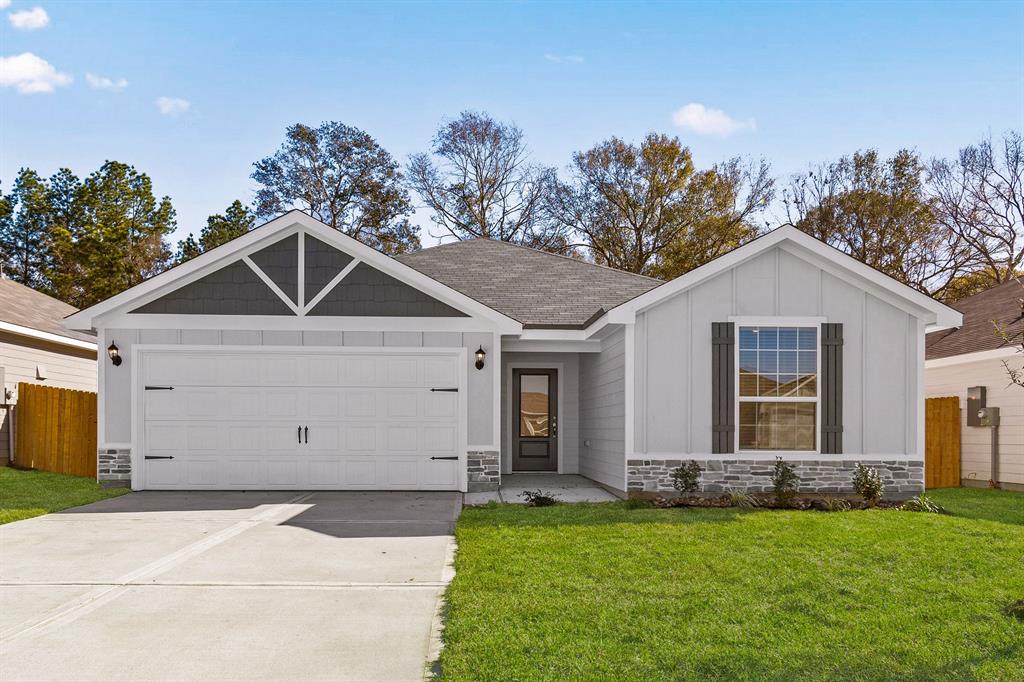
970 355
296 357
36 347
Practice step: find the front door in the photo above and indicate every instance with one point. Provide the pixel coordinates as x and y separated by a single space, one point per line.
535 411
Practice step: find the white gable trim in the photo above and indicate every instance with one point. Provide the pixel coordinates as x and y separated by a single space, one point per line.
270 284
46 336
293 222
806 247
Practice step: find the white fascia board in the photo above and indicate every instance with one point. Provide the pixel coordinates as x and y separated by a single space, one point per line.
979 356
46 336
293 222
930 310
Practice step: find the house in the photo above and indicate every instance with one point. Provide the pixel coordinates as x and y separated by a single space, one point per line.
36 347
972 355
296 357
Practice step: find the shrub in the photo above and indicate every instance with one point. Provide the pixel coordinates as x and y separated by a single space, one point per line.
738 498
922 503
784 480
868 484
686 478
538 498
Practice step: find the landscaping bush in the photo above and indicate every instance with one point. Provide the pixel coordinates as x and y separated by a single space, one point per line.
738 498
868 484
922 503
831 504
784 480
686 478
538 498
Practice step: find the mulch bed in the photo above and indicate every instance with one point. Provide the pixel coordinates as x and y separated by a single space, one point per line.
770 502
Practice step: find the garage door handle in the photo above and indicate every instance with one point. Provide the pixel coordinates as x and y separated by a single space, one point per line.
456 457
444 390
159 456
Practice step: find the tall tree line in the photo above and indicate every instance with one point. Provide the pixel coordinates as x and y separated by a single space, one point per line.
948 227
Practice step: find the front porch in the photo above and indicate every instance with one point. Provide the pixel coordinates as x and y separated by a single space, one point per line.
563 487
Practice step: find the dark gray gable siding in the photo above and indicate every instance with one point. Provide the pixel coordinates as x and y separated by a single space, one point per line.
369 292
233 290
280 262
832 389
723 387
323 262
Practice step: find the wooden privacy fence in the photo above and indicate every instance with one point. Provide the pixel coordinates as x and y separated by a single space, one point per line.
941 442
55 430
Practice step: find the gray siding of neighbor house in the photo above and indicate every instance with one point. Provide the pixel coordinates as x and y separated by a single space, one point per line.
673 356
569 422
602 407
117 380
975 443
66 367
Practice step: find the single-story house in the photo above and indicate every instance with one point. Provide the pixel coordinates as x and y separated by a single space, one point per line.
972 356
297 357
37 348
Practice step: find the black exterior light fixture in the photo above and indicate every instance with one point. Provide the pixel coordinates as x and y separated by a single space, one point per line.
115 356
480 355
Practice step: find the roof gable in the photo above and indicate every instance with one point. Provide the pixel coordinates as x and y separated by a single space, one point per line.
806 247
275 253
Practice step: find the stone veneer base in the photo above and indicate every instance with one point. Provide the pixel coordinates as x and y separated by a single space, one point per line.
114 467
483 471
902 478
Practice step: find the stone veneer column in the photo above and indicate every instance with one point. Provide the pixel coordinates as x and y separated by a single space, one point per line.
114 467
483 471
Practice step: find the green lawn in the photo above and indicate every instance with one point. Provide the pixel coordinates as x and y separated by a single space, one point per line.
24 494
604 592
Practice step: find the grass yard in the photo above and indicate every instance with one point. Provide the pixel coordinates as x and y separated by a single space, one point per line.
24 494
607 592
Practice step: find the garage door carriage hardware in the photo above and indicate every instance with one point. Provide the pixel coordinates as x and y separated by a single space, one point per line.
444 390
454 457
159 388
159 456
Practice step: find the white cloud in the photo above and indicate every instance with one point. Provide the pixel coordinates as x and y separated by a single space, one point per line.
5 3
30 74
172 106
564 59
706 121
29 19
104 83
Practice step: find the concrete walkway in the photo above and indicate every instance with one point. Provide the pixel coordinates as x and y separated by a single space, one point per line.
227 586
564 487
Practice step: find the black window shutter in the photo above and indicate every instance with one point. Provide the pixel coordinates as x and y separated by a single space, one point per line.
723 387
831 397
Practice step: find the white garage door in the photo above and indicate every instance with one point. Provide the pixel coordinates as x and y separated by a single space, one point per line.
303 421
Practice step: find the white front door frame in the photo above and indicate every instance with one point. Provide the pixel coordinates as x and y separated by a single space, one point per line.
139 351
512 420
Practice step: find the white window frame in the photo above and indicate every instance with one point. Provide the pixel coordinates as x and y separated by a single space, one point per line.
808 322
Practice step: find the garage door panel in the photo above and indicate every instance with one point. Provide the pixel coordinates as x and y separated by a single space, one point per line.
372 421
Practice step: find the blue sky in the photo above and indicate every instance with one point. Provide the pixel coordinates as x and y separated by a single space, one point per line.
794 82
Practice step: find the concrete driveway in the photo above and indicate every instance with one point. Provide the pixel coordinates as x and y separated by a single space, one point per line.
227 586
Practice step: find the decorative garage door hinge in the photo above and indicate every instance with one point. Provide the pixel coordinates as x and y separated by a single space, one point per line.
159 388
159 456
444 457
444 390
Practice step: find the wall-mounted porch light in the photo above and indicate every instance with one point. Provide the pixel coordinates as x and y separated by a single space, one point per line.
115 355
480 355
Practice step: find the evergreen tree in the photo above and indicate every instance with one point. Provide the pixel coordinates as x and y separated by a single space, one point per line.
24 234
220 229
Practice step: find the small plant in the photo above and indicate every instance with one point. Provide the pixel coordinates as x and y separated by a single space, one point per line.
832 504
922 503
686 478
784 480
738 498
538 498
868 484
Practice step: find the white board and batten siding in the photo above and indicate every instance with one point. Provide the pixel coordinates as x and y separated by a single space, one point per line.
880 355
943 379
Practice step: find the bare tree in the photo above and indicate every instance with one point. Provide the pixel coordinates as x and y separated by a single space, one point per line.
646 209
1012 333
979 197
479 182
878 211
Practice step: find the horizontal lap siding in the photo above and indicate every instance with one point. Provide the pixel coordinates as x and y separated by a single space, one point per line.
975 450
602 413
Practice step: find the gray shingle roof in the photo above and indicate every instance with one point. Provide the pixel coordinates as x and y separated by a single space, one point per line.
536 288
27 307
1001 303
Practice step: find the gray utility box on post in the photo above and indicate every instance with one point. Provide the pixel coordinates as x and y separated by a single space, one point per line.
976 403
988 416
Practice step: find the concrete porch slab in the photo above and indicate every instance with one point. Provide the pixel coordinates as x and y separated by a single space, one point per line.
563 487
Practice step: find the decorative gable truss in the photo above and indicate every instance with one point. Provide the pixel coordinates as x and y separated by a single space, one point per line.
293 272
299 275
